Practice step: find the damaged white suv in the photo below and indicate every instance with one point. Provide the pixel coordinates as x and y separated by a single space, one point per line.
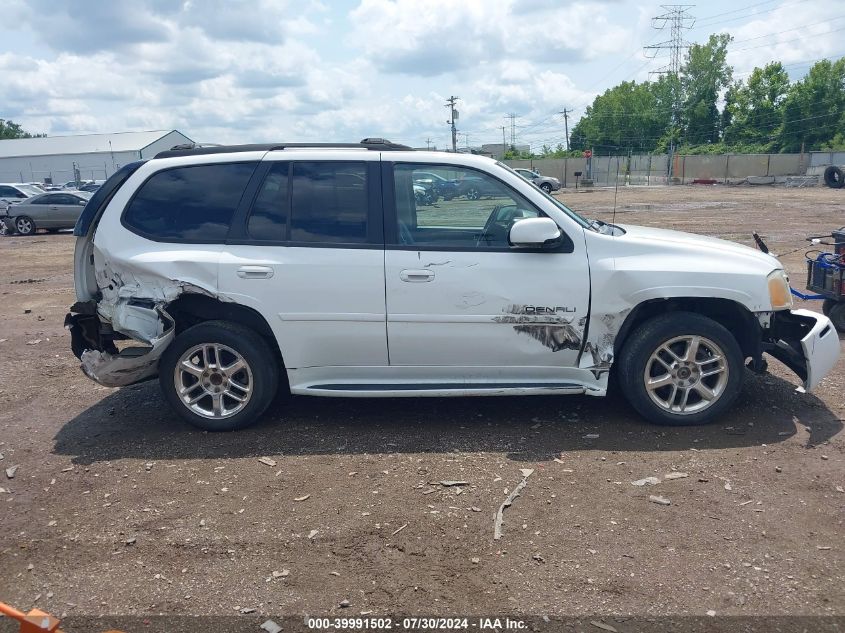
232 272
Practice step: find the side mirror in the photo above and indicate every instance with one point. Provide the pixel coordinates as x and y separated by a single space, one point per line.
534 233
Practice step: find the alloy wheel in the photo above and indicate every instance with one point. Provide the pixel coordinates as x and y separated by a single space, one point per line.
213 380
686 374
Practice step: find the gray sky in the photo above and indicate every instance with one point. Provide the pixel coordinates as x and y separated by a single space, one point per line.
304 70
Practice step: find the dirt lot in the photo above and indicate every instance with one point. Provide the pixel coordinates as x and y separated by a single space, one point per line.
117 507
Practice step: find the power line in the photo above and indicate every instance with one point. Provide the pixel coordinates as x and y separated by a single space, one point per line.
797 28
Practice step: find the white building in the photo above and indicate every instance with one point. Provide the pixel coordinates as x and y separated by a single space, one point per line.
96 156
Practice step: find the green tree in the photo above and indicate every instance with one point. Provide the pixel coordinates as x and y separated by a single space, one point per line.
10 129
754 109
703 77
814 108
629 117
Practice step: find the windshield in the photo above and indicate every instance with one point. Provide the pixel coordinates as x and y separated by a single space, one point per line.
575 216
30 190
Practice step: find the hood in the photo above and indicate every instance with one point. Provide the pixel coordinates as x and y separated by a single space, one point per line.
705 245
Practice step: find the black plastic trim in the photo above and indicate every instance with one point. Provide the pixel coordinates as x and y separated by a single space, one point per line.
445 386
378 145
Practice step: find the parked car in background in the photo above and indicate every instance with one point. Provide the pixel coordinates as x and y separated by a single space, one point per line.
475 187
47 210
546 183
90 187
15 192
442 187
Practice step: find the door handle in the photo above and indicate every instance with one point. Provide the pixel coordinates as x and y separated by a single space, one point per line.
255 272
416 276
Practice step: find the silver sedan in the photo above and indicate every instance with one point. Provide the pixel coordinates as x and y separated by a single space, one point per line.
51 211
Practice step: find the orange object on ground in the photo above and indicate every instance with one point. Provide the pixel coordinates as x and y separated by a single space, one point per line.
36 621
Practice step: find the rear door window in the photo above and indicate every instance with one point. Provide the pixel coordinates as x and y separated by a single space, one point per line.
329 202
192 204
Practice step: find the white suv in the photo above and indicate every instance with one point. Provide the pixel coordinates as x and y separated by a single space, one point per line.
230 272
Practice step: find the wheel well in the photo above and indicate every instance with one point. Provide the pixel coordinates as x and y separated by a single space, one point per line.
190 309
730 314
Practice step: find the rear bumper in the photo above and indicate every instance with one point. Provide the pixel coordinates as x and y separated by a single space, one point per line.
806 342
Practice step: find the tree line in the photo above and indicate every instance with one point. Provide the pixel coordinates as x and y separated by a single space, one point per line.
10 129
763 113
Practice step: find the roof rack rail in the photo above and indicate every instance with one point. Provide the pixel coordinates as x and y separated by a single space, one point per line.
194 149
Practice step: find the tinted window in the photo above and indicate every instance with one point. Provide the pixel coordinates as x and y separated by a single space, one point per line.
189 203
64 198
269 217
48 199
329 202
462 208
6 191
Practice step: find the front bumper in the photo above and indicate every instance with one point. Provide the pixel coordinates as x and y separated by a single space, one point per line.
804 341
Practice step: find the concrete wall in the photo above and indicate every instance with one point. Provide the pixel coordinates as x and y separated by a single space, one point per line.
645 169
820 159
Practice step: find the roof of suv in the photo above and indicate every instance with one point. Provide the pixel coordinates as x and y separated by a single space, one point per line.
377 144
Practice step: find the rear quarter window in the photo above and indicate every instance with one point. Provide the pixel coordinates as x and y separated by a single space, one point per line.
191 204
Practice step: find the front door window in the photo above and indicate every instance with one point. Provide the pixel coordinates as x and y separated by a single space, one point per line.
446 206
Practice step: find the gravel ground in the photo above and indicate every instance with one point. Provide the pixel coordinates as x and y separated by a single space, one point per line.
119 508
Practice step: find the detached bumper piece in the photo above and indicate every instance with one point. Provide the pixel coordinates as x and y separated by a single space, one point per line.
804 341
92 342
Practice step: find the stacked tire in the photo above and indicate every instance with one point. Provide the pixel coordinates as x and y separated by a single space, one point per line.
834 177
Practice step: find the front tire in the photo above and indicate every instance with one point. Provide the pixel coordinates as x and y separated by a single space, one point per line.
473 193
219 376
546 187
681 369
836 314
24 225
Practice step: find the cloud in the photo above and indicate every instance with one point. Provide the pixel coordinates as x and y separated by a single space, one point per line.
443 36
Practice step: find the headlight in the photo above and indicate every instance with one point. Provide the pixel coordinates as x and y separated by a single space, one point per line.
779 292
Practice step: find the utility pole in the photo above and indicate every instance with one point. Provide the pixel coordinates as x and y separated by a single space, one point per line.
565 114
678 18
504 145
450 103
428 143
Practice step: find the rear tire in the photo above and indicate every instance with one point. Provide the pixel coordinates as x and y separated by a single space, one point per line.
24 225
827 305
219 376
681 369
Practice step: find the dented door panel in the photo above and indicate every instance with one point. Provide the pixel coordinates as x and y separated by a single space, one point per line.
488 309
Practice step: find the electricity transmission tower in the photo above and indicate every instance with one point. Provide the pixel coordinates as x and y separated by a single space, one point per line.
678 19
512 116
450 103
